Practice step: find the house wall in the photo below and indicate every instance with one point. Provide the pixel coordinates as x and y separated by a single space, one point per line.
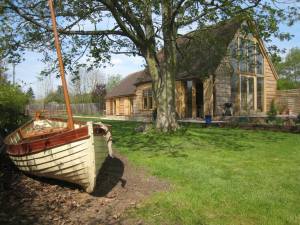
108 107
122 106
138 105
270 85
222 86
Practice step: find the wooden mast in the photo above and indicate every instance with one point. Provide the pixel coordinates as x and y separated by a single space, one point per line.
61 67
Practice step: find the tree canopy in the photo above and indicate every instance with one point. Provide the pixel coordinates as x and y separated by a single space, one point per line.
289 70
98 28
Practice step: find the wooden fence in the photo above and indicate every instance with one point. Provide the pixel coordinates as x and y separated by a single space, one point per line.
60 109
289 99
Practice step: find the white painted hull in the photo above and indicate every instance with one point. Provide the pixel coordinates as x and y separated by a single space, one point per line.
77 162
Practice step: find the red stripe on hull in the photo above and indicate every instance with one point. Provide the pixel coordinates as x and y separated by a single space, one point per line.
36 146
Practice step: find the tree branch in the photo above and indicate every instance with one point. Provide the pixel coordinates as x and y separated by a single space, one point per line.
64 31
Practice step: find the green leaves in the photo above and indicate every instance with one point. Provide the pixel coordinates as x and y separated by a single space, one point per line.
12 107
289 70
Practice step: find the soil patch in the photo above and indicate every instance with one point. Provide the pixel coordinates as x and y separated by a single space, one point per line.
31 200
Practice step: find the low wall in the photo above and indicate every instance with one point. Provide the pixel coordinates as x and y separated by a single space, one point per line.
289 99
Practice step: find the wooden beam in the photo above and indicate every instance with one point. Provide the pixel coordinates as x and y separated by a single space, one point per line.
61 66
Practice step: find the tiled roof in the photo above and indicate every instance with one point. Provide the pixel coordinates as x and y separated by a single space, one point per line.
127 85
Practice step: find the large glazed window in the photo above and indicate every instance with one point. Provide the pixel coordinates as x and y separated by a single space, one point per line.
247 56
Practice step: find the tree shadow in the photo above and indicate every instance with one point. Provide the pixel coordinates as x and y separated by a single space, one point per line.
109 176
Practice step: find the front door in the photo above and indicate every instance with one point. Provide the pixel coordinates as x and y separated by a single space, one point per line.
189 99
194 98
199 98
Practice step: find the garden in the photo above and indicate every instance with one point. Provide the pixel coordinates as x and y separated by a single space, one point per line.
217 175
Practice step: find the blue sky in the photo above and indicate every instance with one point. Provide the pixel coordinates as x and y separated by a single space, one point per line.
29 69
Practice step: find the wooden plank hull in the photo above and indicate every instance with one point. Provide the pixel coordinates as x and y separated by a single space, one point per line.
77 161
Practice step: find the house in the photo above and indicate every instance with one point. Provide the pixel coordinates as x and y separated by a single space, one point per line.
223 69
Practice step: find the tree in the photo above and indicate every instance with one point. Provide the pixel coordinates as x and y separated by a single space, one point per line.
30 94
139 28
12 107
83 83
289 70
98 95
113 81
57 96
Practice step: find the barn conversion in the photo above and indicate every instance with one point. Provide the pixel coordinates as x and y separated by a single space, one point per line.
223 69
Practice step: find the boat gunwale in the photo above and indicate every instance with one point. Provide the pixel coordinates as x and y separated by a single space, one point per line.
6 142
22 149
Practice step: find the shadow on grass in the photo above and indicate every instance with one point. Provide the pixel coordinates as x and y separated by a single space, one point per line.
190 137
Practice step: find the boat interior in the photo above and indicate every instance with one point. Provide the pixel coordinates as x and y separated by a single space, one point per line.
40 129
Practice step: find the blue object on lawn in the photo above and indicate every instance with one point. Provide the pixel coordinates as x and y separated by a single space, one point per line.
208 119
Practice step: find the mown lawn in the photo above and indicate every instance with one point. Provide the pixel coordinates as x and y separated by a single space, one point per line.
218 176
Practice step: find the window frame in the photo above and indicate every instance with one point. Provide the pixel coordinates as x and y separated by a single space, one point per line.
147 97
235 54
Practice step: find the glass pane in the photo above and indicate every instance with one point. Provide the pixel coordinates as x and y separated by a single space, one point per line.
260 93
251 56
243 55
233 48
145 103
244 93
234 87
247 93
150 102
250 94
259 61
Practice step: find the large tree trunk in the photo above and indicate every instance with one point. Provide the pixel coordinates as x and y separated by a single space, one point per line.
163 85
163 71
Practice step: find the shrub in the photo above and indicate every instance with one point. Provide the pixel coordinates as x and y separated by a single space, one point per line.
272 112
286 84
12 107
298 118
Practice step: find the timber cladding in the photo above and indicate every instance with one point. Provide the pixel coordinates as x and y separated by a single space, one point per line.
289 99
138 107
270 84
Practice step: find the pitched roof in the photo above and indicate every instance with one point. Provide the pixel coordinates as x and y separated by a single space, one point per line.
127 85
199 54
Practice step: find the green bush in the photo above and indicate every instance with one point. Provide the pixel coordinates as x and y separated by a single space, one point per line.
12 107
298 118
272 112
286 84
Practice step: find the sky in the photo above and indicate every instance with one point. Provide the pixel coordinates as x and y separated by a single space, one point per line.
27 71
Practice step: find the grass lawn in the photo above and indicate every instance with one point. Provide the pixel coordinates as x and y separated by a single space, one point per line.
218 176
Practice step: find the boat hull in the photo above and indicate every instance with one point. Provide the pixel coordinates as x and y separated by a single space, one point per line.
77 161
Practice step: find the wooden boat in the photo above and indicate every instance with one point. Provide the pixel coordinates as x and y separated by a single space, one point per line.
48 148
57 148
